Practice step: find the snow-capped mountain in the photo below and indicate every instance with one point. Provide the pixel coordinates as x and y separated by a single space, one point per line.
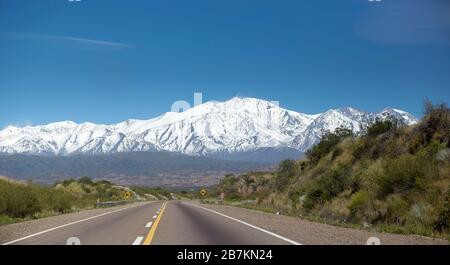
236 126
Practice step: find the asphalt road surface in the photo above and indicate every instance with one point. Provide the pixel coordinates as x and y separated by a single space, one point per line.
176 222
188 223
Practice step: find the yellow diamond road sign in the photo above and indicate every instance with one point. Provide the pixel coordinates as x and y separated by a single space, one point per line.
203 192
127 195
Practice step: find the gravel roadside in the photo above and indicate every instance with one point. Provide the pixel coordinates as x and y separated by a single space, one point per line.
18 230
312 233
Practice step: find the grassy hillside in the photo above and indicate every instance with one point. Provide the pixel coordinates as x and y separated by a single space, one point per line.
392 178
22 201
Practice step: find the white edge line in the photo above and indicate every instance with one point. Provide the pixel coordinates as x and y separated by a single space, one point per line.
72 223
154 216
250 225
149 224
138 240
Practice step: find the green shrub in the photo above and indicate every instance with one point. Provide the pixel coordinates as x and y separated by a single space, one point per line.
359 202
66 182
22 202
362 147
303 165
287 167
435 124
229 179
4 220
397 210
86 180
356 182
402 174
61 202
85 188
337 152
327 187
281 182
327 142
101 191
443 222
3 197
295 196
381 126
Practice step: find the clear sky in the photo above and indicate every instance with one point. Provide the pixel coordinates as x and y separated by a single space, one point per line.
105 61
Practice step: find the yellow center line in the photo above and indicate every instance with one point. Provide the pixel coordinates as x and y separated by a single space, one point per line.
151 233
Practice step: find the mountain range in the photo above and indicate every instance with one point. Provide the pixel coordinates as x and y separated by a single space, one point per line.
193 148
129 168
237 129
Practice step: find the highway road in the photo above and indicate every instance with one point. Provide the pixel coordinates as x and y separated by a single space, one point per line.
155 223
188 223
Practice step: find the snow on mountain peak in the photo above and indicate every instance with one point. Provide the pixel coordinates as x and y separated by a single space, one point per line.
237 125
400 115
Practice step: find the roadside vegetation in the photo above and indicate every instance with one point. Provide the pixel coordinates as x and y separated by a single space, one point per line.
390 178
158 193
21 201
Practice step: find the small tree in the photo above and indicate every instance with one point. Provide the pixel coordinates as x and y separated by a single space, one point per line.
436 123
86 180
287 167
328 141
381 126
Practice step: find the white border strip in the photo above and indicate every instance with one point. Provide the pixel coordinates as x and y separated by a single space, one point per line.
72 223
250 225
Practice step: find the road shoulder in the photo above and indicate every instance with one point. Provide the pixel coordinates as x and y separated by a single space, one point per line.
18 230
307 232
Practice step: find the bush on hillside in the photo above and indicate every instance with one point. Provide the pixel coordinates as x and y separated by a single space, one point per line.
281 182
397 209
381 126
18 200
358 203
228 184
443 222
61 201
400 175
326 187
435 125
287 167
66 182
287 170
28 200
328 141
86 180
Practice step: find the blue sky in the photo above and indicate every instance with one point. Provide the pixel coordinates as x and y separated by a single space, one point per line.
109 60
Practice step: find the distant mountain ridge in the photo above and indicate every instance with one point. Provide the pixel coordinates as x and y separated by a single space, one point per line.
217 129
128 168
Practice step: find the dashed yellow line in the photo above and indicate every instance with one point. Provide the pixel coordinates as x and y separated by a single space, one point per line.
151 233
